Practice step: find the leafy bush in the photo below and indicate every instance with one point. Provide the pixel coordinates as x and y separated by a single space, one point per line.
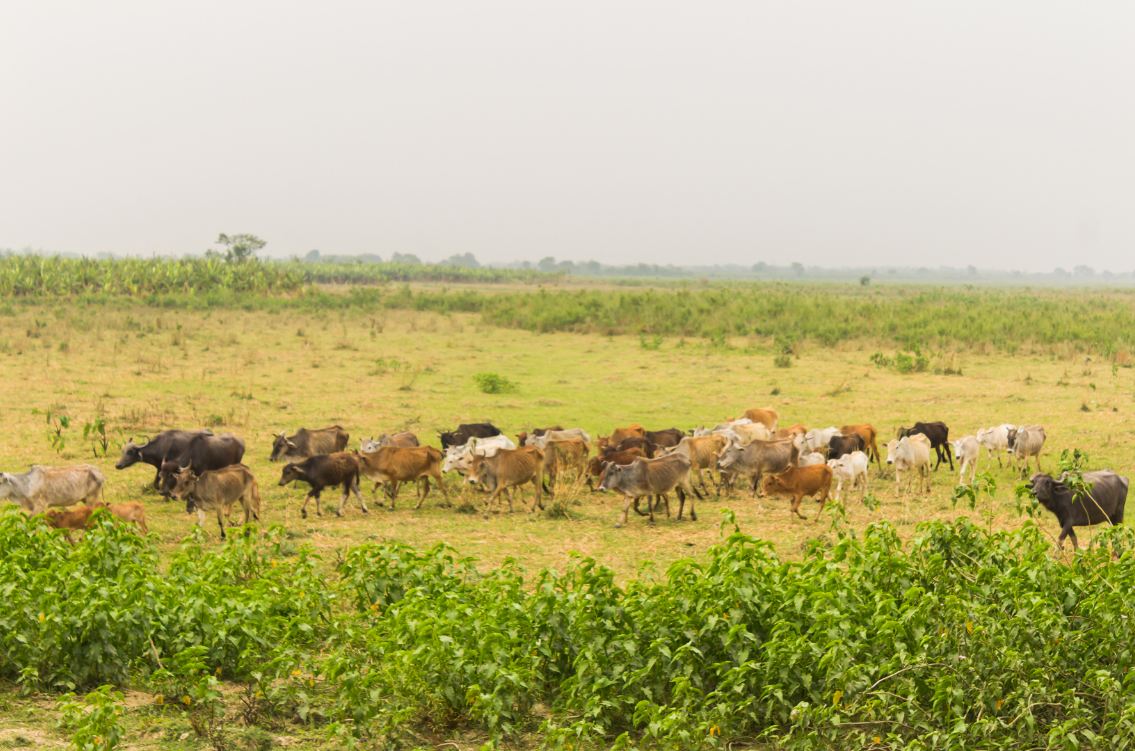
493 383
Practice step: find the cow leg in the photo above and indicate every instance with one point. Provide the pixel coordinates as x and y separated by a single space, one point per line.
823 499
536 501
756 482
221 519
315 494
626 508
796 499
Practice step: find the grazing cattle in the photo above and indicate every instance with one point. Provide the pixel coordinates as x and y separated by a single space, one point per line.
939 436
1026 441
743 435
41 487
634 442
618 435
169 444
458 458
767 417
869 435
652 477
995 440
468 430
403 440
79 517
217 490
799 482
790 432
966 449
203 452
810 459
326 471
840 445
394 465
306 443
910 454
757 458
702 452
507 469
566 454
523 436
817 439
852 469
598 464
1105 502
539 441
661 439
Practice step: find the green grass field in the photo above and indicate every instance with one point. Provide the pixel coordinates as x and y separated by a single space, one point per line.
255 372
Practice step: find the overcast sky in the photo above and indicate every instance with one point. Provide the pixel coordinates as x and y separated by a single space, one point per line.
999 134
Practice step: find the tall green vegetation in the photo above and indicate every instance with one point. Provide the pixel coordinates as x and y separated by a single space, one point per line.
964 639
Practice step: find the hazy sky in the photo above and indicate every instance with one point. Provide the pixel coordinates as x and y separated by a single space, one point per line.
1000 134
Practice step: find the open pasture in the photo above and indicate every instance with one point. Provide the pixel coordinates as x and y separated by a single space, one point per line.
143 369
680 641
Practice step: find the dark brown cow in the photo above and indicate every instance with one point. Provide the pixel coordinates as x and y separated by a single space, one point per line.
306 443
506 469
939 436
663 439
869 435
326 471
394 465
802 481
841 445
618 435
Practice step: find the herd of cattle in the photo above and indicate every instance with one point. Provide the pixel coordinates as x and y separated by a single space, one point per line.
205 470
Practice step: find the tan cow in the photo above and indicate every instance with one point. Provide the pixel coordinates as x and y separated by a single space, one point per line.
395 465
79 517
702 452
217 490
799 482
767 417
564 455
507 469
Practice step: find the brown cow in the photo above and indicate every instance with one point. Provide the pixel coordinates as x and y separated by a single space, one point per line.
596 467
802 481
791 432
767 417
618 435
394 465
506 469
217 490
79 517
569 454
869 435
306 443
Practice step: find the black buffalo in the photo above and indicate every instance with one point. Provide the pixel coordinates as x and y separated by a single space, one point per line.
466 431
203 453
169 444
1105 504
939 436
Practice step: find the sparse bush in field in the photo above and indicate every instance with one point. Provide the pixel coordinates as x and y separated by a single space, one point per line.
95 723
654 343
493 383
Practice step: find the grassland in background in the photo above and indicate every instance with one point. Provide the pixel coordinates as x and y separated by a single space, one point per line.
394 357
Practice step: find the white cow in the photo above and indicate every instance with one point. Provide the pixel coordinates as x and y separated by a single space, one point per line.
852 469
1024 442
459 458
812 457
818 439
995 440
541 441
41 486
966 450
910 454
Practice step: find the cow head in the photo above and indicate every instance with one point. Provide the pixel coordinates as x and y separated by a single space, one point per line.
892 447
611 475
291 473
473 475
1011 433
184 485
280 446
131 454
370 445
448 439
7 484
167 477
729 456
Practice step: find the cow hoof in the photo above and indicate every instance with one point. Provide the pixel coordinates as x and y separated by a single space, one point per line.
693 516
303 514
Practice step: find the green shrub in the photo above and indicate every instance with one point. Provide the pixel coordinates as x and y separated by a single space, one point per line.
493 383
